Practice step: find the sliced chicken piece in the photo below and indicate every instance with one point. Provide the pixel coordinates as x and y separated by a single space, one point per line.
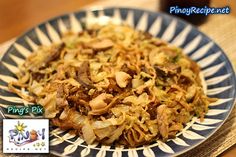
100 101
163 119
191 91
122 79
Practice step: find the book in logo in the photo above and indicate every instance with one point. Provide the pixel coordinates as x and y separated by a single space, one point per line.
25 136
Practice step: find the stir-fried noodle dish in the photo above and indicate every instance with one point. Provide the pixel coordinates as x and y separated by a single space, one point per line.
113 84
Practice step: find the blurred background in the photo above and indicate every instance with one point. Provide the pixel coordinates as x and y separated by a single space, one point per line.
17 16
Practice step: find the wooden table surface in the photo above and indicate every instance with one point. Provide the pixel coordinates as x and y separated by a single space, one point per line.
17 16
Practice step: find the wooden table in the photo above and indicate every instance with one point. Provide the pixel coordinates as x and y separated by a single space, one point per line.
17 16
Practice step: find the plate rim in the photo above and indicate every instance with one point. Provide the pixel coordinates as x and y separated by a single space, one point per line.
165 15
